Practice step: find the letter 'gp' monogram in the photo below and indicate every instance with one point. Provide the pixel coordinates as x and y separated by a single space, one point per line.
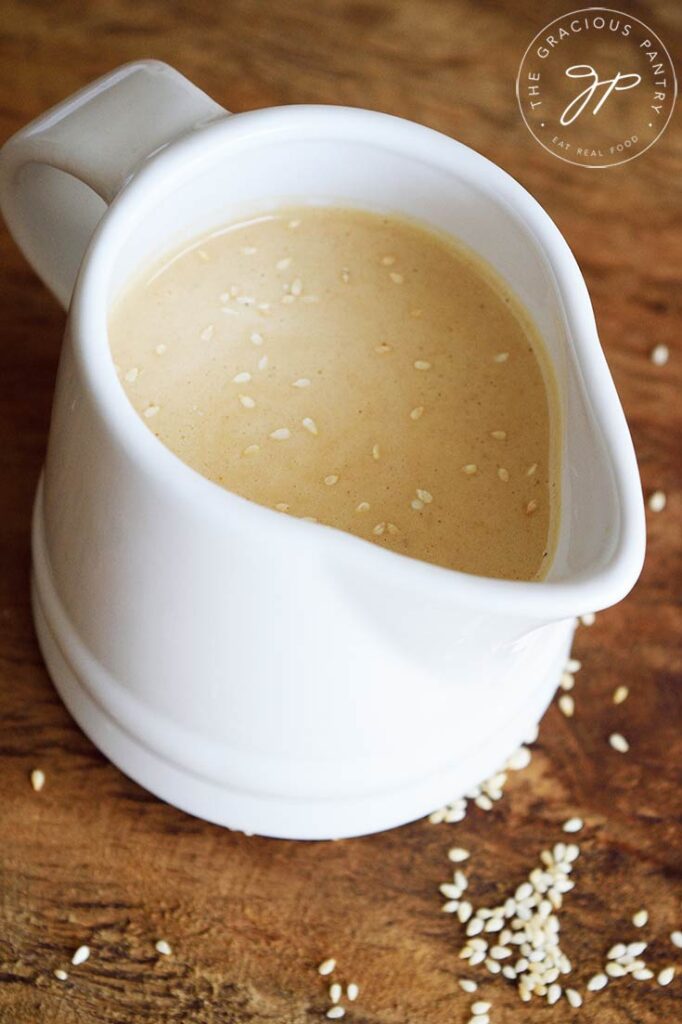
596 87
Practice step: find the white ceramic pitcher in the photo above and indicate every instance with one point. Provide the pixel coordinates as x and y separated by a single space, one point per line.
256 670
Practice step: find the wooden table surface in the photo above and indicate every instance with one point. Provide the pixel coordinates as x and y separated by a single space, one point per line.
95 859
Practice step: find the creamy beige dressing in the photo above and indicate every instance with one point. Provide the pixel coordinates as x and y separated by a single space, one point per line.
358 370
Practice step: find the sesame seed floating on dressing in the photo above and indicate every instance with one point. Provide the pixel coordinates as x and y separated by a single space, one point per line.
302 382
282 506
294 224
392 529
281 434
131 374
160 349
163 947
501 357
283 263
422 364
345 275
256 338
657 501
499 435
387 261
383 347
207 333
296 287
396 278
376 452
327 966
417 413
251 449
310 425
379 529
620 694
203 255
424 496
331 480
263 363
619 743
531 507
309 519
531 469
151 410
37 779
659 355
242 378
640 918
60 974
470 469
573 825
364 506
416 504
503 474
247 401
80 956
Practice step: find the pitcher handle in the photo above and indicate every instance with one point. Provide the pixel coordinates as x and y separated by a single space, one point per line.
60 172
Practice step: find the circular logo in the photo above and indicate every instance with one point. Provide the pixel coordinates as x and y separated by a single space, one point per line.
596 87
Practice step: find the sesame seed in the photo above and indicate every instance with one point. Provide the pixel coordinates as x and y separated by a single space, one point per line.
620 694
379 529
484 802
327 966
296 286
574 997
499 435
335 1013
263 363
416 504
294 224
203 255
382 347
640 918
392 529
566 705
573 665
450 890
636 948
531 507
60 974
248 250
345 275
331 480
464 911
665 976
467 985
597 982
309 519
470 469
553 994
422 364
335 992
396 278
302 382
131 374
207 332
37 779
501 357
163 947
256 338
362 507
424 496
160 349
588 619
417 413
352 991
615 969
387 261
573 825
376 452
503 474
282 506
151 410
458 854
283 263
80 956
676 939
281 434
659 355
242 378
450 906
309 425
531 469
617 951
657 501
619 743
247 401
642 974
567 681
479 1007
251 449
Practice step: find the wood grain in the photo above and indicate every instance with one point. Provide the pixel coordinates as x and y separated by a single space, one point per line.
93 858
